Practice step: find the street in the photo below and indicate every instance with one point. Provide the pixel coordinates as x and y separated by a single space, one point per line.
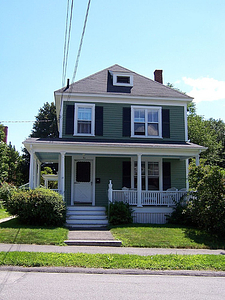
32 285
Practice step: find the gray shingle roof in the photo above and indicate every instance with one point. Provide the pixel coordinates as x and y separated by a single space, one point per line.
100 83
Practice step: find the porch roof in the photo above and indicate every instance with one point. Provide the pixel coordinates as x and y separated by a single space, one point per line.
50 148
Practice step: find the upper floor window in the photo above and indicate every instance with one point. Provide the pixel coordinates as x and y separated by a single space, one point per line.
146 121
84 119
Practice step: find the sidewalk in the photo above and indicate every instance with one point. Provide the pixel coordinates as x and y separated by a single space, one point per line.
106 250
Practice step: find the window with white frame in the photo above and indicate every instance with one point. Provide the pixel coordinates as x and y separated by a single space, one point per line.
84 119
146 121
122 79
150 175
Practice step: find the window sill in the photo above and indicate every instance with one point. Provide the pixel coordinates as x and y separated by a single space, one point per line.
146 137
83 134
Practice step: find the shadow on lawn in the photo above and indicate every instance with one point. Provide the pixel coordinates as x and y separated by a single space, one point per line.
196 235
201 237
15 223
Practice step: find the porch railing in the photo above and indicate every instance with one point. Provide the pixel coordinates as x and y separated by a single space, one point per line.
148 197
156 198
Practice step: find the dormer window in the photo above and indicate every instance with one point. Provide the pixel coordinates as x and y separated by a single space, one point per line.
122 79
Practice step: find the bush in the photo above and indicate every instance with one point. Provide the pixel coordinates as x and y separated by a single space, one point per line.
120 213
6 191
180 214
206 207
37 207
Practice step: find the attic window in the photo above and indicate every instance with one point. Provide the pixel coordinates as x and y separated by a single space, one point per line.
122 79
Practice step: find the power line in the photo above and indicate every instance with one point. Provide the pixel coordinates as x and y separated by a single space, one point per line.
67 41
27 121
81 42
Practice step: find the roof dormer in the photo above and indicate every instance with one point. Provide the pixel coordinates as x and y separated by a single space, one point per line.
122 79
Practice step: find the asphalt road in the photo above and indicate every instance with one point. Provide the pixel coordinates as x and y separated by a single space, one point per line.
32 285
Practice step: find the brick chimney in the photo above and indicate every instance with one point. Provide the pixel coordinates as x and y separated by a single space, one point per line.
158 76
5 129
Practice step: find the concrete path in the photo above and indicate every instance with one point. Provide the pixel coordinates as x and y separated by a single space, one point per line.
106 250
92 238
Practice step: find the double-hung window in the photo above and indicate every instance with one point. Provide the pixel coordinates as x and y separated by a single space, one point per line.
84 119
150 175
146 121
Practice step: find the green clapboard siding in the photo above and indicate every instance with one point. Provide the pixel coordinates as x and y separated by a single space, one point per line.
107 169
178 173
113 122
68 165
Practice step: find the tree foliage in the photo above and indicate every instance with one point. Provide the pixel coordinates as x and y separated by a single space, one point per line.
205 208
45 125
10 162
201 132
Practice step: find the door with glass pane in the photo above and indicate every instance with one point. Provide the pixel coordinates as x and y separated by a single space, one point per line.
83 182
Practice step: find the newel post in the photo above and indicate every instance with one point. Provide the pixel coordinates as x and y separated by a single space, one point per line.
110 190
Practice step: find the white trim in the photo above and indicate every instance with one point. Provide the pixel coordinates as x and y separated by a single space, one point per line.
93 180
187 174
122 74
82 158
185 123
147 159
94 148
85 105
147 108
61 120
120 97
62 175
31 169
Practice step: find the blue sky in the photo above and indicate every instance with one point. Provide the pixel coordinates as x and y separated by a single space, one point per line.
184 38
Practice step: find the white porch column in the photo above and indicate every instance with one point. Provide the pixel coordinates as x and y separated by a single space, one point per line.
31 171
62 173
197 160
38 173
187 181
35 172
110 191
139 181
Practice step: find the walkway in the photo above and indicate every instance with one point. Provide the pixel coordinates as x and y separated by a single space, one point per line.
106 250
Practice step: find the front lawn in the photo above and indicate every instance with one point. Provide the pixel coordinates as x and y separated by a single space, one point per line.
15 233
114 261
165 236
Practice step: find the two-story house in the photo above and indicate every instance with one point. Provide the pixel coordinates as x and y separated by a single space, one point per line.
122 136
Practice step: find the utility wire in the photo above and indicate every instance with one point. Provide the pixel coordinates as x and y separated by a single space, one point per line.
38 121
81 42
67 41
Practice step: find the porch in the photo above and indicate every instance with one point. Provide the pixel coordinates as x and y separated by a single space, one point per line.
147 198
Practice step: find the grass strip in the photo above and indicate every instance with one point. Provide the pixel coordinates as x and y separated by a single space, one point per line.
166 236
114 261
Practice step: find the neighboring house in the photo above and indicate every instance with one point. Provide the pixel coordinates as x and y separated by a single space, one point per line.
122 136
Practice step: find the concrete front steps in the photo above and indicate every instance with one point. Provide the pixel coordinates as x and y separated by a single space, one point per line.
86 217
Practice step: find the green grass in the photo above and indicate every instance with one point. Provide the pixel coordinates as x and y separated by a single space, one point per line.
165 236
114 261
14 232
3 213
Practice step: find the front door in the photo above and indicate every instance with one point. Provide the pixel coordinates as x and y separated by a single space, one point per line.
83 182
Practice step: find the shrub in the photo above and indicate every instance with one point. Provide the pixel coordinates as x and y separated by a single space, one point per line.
206 207
6 191
37 207
120 213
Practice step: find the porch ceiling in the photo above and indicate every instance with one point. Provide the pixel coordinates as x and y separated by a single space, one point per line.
47 157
